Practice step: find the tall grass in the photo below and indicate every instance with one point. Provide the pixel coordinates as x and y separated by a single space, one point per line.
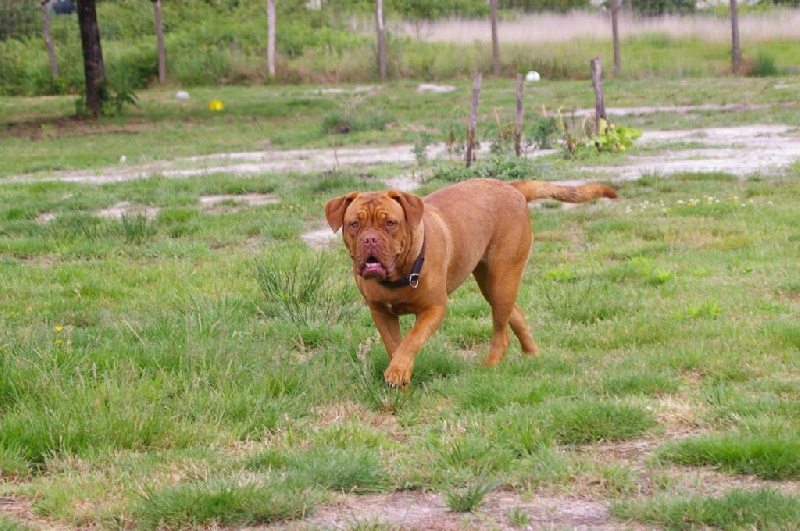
299 288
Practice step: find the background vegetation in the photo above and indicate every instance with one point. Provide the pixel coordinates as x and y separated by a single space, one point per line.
216 42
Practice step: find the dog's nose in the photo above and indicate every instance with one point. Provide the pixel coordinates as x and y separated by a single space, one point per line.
370 240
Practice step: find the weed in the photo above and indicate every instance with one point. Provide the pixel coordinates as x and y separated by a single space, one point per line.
467 499
136 228
518 517
301 288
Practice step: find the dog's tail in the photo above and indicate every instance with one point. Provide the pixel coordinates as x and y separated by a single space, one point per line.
533 190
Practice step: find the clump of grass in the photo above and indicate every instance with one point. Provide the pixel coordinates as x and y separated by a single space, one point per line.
766 457
467 499
738 509
9 524
518 517
222 502
304 289
763 65
352 117
529 429
338 469
12 463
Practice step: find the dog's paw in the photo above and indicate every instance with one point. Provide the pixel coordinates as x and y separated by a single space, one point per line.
397 377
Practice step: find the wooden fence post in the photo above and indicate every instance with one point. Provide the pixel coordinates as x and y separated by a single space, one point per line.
736 54
271 38
48 38
162 54
473 118
381 38
518 125
615 34
599 102
495 39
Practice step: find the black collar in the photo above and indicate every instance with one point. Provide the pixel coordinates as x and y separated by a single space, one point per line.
412 279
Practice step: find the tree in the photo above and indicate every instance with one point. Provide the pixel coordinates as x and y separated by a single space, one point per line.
93 68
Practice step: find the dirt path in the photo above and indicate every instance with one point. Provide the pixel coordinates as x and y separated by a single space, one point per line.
738 150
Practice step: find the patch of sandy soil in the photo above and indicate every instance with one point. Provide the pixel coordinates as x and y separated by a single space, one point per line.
124 208
428 511
248 199
739 151
20 511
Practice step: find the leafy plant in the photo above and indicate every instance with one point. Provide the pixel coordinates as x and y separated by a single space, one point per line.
579 139
542 132
613 138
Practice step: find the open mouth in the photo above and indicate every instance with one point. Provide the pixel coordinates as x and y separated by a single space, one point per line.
373 268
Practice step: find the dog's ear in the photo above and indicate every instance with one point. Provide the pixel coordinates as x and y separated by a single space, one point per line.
335 208
412 204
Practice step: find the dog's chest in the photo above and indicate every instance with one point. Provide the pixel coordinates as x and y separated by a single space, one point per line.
398 307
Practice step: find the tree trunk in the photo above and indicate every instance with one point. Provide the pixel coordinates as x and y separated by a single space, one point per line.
736 55
271 37
615 34
48 38
381 39
162 55
94 71
495 39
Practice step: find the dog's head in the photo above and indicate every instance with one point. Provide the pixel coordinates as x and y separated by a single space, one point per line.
376 228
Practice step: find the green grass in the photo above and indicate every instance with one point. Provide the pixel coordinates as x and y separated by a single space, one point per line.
203 367
222 502
738 509
768 457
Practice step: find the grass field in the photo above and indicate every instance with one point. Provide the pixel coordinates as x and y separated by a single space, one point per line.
202 367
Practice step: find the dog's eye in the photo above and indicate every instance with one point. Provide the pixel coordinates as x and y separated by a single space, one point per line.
390 224
354 225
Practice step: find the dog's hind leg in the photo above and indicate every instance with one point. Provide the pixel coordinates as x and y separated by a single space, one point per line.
500 290
520 327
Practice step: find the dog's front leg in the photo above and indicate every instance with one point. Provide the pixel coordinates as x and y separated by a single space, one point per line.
388 325
398 374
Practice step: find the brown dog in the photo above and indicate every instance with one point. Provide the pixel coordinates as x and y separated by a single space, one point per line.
409 254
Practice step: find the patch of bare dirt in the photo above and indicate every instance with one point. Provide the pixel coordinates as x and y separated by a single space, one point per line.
428 511
739 151
21 512
125 208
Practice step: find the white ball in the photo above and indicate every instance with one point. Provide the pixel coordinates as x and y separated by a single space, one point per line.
182 95
533 75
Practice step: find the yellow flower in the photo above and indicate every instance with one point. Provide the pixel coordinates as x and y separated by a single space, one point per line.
58 329
216 105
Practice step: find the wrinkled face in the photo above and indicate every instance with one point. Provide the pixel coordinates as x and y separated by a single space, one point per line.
375 233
